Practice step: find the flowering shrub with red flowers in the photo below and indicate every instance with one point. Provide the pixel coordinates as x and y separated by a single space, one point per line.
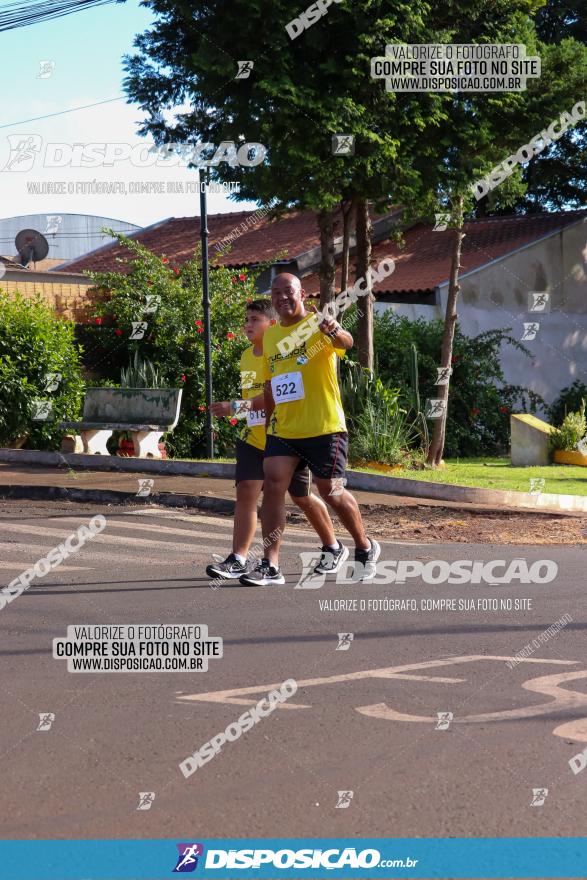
479 401
169 299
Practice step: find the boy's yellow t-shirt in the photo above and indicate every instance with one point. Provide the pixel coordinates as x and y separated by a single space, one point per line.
252 384
303 381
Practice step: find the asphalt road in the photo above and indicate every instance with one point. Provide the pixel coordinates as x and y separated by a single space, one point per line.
364 719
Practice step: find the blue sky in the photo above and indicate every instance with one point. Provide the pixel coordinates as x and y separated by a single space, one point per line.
86 48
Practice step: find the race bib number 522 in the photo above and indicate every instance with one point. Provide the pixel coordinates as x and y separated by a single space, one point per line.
287 387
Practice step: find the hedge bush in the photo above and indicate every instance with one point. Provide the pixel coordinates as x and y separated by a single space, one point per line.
480 401
568 401
34 346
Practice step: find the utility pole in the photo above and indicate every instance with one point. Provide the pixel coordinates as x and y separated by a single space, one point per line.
206 311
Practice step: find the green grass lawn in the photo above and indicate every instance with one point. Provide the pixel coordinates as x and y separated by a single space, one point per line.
498 473
490 473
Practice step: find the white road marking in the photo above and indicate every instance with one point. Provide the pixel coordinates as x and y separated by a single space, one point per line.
21 566
311 539
105 538
547 684
384 672
193 533
562 699
292 531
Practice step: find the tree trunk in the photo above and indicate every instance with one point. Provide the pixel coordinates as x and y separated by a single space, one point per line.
327 264
364 303
450 319
346 207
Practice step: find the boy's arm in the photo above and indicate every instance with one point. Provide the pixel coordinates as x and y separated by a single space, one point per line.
269 404
258 402
222 408
226 407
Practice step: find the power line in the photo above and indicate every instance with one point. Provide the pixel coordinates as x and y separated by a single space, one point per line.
20 14
61 112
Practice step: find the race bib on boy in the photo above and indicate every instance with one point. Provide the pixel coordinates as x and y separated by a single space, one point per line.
287 387
255 417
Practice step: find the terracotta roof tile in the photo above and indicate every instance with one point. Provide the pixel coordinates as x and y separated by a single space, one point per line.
421 265
424 262
258 239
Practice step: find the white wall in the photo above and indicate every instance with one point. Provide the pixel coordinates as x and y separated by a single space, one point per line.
496 297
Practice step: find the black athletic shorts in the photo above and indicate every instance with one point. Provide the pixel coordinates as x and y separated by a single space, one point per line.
249 466
326 455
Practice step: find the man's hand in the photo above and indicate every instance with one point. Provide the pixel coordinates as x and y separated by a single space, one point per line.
222 408
340 337
328 325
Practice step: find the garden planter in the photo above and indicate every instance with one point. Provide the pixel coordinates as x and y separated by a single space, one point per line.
72 443
562 456
126 448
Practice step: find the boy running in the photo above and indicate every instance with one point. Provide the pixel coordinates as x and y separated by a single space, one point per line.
305 424
249 461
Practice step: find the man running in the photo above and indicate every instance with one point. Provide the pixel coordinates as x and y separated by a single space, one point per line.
305 422
249 459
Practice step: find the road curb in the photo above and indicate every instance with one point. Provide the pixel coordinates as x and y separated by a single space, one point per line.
547 502
543 502
112 496
118 463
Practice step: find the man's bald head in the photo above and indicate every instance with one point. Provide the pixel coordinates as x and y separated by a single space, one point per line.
287 296
286 279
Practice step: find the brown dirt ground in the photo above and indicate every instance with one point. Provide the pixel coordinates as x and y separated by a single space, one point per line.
441 525
416 522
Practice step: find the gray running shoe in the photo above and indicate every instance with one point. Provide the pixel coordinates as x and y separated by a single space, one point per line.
331 560
262 575
231 568
366 562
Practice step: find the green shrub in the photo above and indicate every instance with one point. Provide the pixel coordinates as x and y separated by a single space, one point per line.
569 400
141 374
174 339
379 427
34 344
572 430
480 401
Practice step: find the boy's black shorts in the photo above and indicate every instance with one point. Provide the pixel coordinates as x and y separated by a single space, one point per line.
249 466
326 456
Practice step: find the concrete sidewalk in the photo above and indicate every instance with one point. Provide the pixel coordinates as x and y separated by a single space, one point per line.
41 482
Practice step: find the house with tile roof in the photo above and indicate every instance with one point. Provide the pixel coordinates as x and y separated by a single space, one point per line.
69 294
504 260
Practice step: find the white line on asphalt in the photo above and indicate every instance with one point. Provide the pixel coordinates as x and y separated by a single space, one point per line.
243 695
562 700
293 537
193 533
106 538
112 523
290 530
21 566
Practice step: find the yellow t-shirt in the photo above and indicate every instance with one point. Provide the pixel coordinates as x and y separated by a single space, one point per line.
251 385
307 402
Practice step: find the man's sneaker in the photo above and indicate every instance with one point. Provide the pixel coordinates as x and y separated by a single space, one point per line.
331 560
230 568
263 574
365 561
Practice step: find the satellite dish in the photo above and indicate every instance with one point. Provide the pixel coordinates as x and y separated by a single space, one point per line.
31 245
